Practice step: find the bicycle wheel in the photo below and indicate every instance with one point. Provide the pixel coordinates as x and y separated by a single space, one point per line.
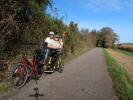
60 65
39 70
19 76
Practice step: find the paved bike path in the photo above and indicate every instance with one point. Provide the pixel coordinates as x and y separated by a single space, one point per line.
84 78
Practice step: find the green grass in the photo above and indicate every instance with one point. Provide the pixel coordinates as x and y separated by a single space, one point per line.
123 85
128 53
4 83
4 87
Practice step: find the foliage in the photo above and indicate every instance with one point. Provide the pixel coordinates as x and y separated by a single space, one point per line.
90 38
107 37
20 22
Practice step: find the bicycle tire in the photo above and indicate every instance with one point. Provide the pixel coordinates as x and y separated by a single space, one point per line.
61 65
25 76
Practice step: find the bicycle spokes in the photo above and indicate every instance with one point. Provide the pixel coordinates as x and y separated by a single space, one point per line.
18 76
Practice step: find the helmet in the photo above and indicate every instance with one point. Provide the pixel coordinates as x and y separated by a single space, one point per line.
56 36
51 33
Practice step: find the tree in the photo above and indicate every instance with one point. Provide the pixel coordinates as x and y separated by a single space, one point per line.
90 38
107 37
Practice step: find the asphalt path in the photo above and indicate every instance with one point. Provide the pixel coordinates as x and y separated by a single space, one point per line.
84 78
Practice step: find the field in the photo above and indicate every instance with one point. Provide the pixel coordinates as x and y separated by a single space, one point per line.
127 47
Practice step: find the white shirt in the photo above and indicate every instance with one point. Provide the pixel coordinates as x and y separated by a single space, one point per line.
48 40
54 44
57 44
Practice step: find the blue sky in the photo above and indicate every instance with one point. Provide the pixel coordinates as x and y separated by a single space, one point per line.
95 14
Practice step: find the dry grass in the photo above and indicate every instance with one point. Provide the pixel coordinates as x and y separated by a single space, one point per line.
126 47
123 59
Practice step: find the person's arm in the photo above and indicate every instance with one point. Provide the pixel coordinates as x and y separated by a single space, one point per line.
48 45
61 43
48 42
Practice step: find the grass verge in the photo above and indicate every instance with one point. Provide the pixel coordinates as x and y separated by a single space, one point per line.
122 83
4 82
4 87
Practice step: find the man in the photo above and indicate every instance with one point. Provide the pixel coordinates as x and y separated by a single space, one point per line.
48 44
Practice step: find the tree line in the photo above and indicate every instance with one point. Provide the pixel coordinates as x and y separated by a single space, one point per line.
105 37
26 21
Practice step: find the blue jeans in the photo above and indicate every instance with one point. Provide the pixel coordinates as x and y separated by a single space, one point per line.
46 54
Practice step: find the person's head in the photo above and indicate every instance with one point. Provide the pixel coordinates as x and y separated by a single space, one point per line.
51 34
56 37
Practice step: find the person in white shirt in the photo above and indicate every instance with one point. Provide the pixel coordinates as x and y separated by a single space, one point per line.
48 44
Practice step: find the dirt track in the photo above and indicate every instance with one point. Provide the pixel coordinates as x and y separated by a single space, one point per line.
84 78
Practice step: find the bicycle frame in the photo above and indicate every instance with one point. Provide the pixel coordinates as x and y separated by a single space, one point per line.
30 64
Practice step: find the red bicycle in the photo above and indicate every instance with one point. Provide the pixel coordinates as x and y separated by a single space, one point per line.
25 70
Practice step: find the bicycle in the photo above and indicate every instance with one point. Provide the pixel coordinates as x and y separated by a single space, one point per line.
25 70
54 62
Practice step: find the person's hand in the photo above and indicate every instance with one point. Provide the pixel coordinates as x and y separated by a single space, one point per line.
64 34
